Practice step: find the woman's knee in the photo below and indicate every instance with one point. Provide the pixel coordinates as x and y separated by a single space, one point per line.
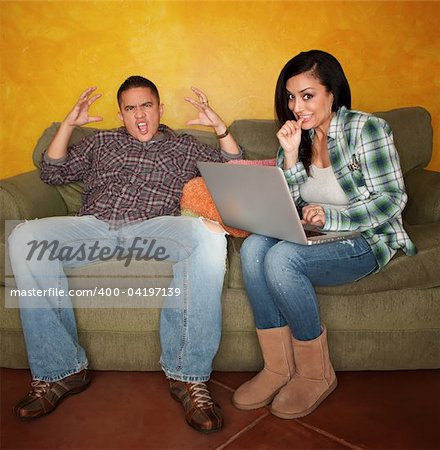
283 258
254 249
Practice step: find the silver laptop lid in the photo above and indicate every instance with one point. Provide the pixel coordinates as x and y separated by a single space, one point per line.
255 199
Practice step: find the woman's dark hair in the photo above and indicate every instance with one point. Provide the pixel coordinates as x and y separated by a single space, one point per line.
327 69
136 81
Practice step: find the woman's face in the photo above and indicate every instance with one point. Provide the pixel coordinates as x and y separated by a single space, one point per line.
310 100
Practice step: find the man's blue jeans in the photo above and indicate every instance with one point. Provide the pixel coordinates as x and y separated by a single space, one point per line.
190 333
280 276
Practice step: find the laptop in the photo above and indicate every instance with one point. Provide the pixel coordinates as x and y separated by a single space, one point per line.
257 199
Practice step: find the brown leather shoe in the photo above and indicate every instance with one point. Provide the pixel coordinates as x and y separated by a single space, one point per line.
44 396
201 412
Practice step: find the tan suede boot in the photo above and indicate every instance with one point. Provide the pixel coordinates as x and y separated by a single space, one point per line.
276 347
313 382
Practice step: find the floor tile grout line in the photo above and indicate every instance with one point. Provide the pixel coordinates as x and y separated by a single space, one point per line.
247 428
330 436
305 425
218 383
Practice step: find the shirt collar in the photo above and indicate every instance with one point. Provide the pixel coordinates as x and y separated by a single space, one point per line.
336 122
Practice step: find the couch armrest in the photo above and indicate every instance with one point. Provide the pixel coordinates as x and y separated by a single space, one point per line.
25 196
423 188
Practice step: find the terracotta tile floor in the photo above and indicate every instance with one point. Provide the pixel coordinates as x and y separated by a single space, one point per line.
133 410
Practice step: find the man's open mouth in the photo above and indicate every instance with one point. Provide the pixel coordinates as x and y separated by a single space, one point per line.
142 126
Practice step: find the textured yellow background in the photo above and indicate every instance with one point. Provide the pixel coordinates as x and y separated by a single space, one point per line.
51 51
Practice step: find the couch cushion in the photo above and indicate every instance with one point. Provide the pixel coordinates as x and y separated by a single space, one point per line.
366 332
403 272
206 137
48 135
257 137
412 131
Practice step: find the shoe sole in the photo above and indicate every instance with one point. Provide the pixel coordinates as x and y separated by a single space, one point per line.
283 415
266 402
60 400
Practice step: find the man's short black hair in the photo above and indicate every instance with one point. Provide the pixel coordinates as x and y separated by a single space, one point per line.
136 81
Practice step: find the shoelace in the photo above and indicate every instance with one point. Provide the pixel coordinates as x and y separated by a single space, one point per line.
39 388
201 395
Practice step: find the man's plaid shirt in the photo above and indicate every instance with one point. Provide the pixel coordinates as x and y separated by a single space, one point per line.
127 180
366 164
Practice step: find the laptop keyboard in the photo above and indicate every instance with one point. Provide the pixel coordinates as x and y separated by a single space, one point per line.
312 233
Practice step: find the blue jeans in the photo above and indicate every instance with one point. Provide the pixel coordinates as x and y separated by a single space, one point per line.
190 333
280 276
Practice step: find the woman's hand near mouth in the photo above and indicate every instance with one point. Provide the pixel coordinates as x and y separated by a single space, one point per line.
289 136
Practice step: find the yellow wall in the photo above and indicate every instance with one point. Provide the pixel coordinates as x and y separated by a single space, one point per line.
50 51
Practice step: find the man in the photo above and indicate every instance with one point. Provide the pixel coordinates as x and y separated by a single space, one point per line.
133 178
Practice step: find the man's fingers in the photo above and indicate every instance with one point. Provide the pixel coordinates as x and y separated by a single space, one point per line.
194 103
203 98
93 99
196 91
87 92
190 100
95 119
193 122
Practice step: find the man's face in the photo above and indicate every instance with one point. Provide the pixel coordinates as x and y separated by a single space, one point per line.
140 113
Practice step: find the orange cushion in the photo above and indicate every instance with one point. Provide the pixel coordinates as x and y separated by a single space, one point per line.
196 199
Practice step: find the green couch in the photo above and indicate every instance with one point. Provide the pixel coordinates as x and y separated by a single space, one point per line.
388 320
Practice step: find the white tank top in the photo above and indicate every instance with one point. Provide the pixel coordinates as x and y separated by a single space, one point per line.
322 188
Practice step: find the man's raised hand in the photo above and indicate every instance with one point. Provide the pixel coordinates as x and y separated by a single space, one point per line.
80 113
79 116
207 116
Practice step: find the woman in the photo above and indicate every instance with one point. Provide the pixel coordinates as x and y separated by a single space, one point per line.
344 174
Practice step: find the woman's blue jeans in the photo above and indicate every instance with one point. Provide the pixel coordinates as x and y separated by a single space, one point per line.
190 333
280 276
